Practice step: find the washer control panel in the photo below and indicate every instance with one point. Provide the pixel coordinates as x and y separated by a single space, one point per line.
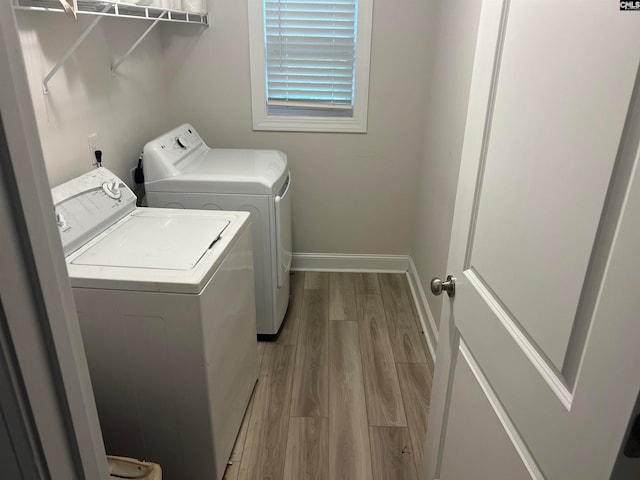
112 189
89 204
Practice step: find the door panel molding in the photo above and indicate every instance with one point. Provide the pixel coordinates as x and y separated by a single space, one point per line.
511 430
543 365
605 237
478 422
500 34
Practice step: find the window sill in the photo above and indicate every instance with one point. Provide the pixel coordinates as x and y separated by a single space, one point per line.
282 123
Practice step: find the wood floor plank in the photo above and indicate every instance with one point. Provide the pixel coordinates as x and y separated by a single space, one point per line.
311 374
391 454
291 323
367 284
415 384
342 296
382 389
405 332
316 281
265 446
349 448
261 346
307 449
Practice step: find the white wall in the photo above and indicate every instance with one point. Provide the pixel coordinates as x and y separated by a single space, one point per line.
125 111
352 193
457 27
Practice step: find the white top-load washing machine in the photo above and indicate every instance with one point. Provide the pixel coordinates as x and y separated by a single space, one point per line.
165 300
181 171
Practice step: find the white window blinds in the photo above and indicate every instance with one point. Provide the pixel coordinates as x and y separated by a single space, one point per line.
310 52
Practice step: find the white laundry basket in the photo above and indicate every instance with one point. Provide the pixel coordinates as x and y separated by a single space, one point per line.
123 467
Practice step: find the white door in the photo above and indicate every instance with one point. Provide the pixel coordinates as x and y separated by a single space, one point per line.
537 368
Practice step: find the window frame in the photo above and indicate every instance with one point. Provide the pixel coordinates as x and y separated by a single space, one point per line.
320 119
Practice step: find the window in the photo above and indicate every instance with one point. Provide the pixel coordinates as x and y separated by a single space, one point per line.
310 64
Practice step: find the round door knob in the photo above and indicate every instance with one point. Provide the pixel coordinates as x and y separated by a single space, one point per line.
449 286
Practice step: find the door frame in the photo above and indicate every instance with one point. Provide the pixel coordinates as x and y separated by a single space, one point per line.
47 398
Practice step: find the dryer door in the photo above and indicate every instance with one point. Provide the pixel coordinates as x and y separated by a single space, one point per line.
283 230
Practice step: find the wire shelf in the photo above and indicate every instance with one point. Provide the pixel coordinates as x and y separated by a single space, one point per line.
116 9
101 9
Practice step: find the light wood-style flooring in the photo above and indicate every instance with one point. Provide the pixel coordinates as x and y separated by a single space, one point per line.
343 393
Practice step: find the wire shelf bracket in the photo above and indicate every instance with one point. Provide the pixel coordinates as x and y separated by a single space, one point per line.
118 62
69 52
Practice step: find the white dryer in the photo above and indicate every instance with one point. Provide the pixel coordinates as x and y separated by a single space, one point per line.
165 300
181 171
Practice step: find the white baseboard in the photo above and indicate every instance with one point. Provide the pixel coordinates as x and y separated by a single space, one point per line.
422 305
336 262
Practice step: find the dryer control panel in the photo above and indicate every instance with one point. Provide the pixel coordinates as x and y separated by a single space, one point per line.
89 204
162 154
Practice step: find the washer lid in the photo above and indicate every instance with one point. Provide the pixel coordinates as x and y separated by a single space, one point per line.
167 242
